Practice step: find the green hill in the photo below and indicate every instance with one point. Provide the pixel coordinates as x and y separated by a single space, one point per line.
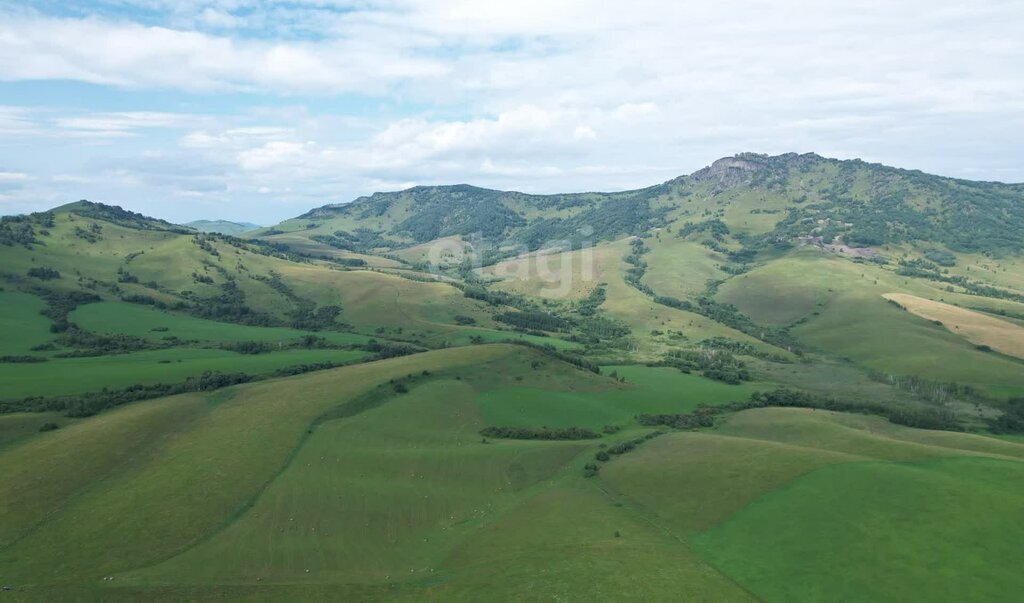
222 226
787 197
459 394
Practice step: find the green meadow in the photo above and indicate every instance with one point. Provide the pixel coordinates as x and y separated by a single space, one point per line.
391 496
934 531
22 327
649 390
151 323
79 375
357 490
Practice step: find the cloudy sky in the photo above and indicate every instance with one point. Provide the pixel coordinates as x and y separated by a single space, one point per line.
256 110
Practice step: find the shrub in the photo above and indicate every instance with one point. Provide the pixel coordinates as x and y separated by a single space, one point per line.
43 274
541 433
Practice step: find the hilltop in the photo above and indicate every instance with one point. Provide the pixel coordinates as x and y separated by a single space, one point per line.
854 202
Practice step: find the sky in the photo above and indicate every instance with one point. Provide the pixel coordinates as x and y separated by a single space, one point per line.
257 111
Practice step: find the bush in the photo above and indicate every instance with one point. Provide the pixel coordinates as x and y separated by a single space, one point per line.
22 359
541 433
43 274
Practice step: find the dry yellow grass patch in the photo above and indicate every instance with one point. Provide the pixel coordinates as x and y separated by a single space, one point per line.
978 328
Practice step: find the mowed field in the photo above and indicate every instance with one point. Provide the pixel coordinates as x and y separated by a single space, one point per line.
806 505
333 491
356 490
978 328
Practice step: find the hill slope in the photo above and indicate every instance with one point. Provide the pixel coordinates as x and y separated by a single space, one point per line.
222 226
837 202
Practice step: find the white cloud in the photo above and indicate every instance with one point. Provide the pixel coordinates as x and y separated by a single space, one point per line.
137 56
539 96
113 125
9 177
16 121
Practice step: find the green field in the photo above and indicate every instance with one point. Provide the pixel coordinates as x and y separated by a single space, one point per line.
166 464
408 501
880 531
151 323
21 325
650 390
79 375
403 500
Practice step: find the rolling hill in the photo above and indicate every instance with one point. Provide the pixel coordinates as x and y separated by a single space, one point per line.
460 394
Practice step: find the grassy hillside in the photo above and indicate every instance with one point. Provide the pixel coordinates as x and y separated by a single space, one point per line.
460 394
354 493
420 450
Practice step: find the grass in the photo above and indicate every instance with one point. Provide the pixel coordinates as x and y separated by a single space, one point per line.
408 497
836 307
404 501
692 482
466 335
571 542
680 268
171 261
21 325
140 321
651 390
785 291
333 485
395 486
112 506
79 375
873 531
567 275
373 299
623 302
978 328
15 427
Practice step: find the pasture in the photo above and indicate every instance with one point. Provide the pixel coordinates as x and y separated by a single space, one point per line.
659 390
836 308
21 325
63 376
357 490
151 323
